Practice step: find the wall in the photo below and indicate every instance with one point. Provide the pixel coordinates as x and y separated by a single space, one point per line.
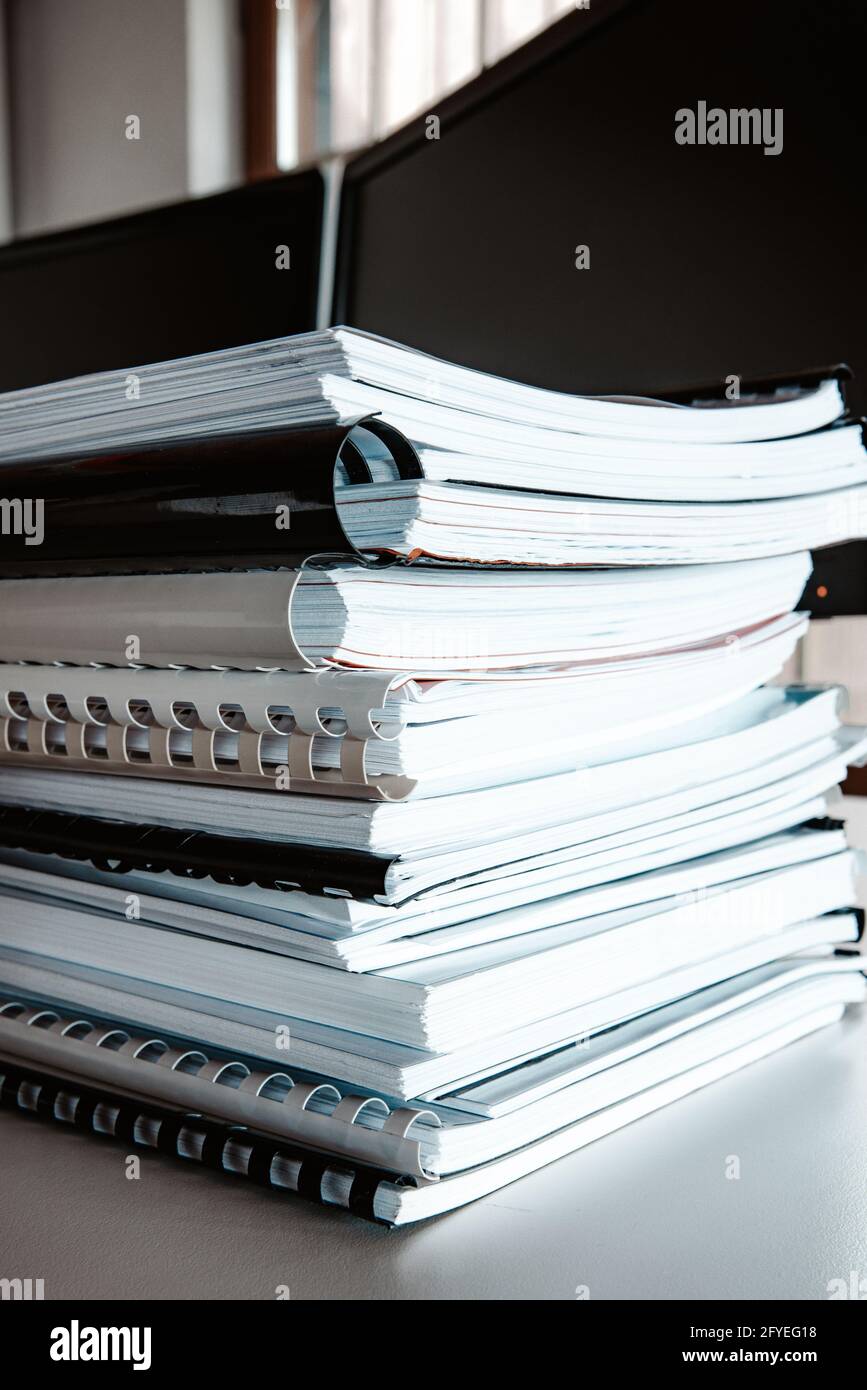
5 166
78 70
214 95
835 652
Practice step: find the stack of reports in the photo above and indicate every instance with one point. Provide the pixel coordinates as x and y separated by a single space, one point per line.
393 793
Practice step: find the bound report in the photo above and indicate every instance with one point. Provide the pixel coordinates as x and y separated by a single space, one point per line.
319 733
341 442
522 966
301 1133
373 1064
416 619
394 796
327 377
522 901
755 742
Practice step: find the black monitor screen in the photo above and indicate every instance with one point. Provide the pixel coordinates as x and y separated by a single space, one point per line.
188 278
703 260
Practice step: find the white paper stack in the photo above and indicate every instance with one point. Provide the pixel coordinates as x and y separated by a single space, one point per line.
427 875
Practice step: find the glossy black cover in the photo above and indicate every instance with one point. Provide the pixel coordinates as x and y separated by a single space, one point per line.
211 503
118 847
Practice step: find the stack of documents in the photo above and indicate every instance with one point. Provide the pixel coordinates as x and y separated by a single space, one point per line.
422 808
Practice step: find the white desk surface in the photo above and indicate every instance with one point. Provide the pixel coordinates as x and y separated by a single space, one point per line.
646 1213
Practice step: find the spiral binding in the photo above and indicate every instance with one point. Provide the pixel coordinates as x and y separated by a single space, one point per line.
67 745
327 704
358 1127
222 1147
122 847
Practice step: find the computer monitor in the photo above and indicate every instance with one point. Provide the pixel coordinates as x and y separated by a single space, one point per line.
186 278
